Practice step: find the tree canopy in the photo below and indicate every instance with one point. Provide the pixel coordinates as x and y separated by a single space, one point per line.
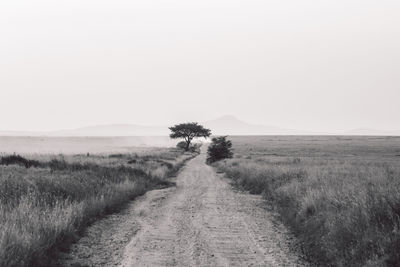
188 131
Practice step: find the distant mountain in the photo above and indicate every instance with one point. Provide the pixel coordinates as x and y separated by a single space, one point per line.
115 130
98 130
231 125
21 133
226 125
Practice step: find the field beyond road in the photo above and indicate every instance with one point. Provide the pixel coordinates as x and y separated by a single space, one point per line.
81 144
340 195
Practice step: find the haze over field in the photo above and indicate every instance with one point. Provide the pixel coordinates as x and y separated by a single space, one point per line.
317 66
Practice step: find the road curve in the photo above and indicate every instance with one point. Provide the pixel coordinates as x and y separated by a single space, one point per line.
204 222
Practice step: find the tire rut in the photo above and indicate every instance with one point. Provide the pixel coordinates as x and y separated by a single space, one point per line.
206 223
200 222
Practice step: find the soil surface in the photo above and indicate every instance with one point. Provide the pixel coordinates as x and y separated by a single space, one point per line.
202 221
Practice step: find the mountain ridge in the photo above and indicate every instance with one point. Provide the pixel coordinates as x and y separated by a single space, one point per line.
225 125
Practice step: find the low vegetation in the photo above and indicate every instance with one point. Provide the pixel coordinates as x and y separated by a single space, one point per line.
47 201
220 148
18 160
341 196
193 147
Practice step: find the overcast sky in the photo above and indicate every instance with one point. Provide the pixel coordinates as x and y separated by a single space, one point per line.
319 65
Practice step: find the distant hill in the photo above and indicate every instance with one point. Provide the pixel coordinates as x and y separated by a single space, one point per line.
231 125
226 125
115 130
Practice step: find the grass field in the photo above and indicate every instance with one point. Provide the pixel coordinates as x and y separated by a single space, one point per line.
47 200
76 145
340 195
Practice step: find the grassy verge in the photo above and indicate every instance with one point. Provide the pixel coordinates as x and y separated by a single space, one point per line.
345 211
46 202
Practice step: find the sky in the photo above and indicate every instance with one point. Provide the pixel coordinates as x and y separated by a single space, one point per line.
303 64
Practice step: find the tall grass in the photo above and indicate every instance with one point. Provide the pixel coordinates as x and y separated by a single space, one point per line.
43 208
345 211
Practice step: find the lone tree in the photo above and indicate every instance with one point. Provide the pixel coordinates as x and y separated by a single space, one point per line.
188 131
220 148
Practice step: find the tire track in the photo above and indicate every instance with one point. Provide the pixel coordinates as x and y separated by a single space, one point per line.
203 222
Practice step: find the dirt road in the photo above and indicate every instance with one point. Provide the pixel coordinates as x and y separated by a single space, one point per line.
201 222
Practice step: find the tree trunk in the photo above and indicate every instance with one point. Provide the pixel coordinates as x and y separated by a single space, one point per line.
187 145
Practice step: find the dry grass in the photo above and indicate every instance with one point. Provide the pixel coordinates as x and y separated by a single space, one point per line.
340 195
44 208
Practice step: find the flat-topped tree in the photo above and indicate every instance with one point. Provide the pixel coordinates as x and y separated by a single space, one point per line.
188 131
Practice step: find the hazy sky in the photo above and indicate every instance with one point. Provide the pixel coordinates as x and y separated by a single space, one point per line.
306 64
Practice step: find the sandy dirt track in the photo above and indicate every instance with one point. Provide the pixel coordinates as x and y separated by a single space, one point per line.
200 222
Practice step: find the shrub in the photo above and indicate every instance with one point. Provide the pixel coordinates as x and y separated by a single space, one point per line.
18 160
192 148
195 148
181 145
220 148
